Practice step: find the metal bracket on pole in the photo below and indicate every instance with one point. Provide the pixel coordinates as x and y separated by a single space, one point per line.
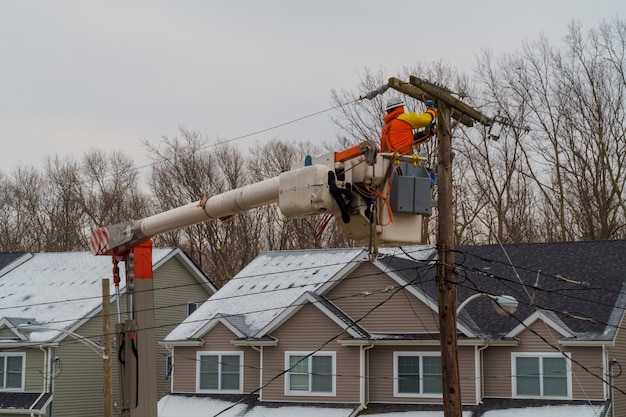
423 90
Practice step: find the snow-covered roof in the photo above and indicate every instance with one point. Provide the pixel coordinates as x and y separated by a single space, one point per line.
59 290
569 410
182 406
267 286
190 406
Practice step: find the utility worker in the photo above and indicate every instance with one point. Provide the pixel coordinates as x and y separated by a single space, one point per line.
397 134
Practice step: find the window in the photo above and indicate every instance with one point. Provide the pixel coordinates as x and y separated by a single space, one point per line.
191 307
220 372
169 363
310 374
12 371
541 375
417 374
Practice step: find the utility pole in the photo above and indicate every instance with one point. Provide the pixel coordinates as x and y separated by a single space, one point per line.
446 280
107 384
448 107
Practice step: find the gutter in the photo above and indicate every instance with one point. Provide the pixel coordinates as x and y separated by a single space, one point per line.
389 342
168 345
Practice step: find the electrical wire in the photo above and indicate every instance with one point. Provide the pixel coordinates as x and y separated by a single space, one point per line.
257 132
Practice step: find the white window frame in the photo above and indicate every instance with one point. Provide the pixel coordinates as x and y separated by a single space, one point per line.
308 357
540 355
396 387
3 357
219 354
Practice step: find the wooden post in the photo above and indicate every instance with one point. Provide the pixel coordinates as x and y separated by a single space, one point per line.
107 381
446 281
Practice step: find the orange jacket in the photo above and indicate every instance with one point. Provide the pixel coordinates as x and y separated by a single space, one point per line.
397 135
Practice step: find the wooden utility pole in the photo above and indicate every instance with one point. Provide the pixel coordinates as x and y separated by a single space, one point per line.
107 379
448 107
446 280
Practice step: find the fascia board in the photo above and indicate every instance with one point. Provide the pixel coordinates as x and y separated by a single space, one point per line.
212 323
304 299
537 315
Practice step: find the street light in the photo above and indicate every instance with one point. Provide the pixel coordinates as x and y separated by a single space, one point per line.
34 327
503 304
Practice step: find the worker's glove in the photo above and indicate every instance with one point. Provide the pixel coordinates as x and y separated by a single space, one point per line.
429 104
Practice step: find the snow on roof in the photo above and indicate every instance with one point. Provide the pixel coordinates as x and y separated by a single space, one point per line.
181 406
184 406
266 286
581 410
58 289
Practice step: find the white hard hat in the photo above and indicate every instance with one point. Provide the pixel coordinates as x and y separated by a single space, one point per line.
394 102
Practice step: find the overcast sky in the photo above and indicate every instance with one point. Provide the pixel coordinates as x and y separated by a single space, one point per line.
78 75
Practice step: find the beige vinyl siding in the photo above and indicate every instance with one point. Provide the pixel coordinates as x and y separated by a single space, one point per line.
496 372
540 338
381 373
184 370
619 352
309 330
399 311
586 372
217 339
174 287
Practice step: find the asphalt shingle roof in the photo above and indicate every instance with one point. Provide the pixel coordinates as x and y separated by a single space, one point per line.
579 284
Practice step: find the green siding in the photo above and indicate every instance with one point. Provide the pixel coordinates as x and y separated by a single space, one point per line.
34 370
6 333
79 386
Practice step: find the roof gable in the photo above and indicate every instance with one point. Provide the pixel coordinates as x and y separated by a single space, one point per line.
9 328
325 306
547 317
269 284
189 265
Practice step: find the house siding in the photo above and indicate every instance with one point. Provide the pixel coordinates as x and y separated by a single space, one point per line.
396 310
174 287
6 333
539 337
217 339
619 352
381 376
80 375
34 362
82 369
311 330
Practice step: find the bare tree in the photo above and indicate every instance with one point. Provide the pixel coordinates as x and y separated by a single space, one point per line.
575 155
59 218
111 189
22 191
497 201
